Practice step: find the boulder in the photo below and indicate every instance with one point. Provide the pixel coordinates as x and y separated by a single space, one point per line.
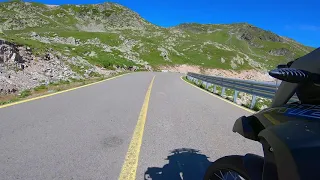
48 56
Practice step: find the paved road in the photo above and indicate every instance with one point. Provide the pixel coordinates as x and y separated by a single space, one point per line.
85 133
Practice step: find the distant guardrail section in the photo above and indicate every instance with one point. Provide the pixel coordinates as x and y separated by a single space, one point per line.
255 88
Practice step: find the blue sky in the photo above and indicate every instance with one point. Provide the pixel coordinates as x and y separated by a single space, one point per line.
297 19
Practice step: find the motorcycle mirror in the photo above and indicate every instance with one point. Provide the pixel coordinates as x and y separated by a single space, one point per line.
293 75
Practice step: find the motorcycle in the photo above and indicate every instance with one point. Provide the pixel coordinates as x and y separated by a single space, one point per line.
288 132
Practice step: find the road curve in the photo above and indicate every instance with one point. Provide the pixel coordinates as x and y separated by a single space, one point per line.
85 133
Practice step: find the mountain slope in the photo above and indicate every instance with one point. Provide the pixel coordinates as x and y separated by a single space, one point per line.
112 36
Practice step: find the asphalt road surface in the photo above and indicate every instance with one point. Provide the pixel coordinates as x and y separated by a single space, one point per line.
86 133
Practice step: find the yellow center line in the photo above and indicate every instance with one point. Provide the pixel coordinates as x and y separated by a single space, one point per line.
249 110
52 94
129 168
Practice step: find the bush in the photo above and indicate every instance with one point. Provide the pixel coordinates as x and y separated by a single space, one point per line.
25 93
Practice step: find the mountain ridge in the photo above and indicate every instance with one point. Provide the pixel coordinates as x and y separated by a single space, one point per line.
176 26
94 39
234 23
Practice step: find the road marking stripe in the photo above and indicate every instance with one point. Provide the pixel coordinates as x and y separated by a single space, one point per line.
52 94
130 165
212 94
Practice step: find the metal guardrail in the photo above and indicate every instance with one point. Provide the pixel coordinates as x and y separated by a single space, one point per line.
255 88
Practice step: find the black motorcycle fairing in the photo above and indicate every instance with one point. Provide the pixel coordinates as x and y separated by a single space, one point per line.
290 139
254 166
249 127
296 147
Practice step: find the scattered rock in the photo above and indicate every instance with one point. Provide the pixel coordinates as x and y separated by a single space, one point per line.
33 34
133 68
55 39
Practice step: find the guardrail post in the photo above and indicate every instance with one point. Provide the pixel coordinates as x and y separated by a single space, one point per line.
223 91
207 86
215 89
235 96
253 101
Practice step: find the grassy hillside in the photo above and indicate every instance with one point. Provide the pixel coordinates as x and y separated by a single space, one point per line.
110 35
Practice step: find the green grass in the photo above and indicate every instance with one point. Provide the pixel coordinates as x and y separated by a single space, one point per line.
229 92
40 88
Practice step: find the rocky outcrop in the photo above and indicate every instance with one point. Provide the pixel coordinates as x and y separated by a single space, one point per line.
164 53
20 69
280 52
251 33
246 35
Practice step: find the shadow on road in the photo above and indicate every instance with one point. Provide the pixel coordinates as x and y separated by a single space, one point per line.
186 164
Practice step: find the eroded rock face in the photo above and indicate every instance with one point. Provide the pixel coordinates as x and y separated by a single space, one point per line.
20 69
